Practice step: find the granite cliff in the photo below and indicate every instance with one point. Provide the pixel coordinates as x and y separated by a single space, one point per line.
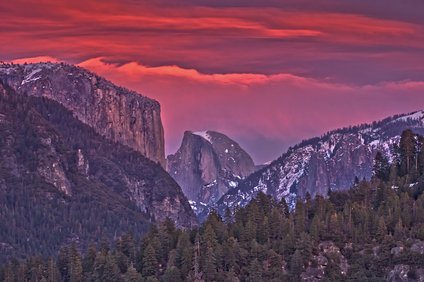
61 181
207 165
116 113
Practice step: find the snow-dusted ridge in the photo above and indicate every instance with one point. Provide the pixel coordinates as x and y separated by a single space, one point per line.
327 163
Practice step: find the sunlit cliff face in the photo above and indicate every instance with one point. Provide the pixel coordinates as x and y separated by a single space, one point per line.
267 73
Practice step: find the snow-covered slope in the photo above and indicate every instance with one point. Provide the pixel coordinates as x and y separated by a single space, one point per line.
321 164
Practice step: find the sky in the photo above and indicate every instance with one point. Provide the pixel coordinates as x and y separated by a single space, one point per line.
266 73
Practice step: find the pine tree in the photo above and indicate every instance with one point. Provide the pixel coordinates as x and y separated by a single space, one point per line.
126 245
105 268
304 246
104 246
209 237
229 258
122 261
381 229
399 230
274 265
296 264
172 274
299 217
289 240
394 173
89 259
232 276
52 271
381 167
284 207
315 229
75 265
99 267
150 263
209 266
9 275
132 275
111 271
421 155
63 263
262 234
407 148
184 256
275 222
255 271
196 263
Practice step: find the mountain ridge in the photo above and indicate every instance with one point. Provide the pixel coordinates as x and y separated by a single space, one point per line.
61 181
114 112
310 166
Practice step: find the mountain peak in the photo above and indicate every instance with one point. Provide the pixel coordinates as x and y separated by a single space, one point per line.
207 164
116 113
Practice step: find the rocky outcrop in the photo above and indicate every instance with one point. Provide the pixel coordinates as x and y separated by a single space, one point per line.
118 114
330 250
50 166
418 247
328 253
405 273
207 165
327 163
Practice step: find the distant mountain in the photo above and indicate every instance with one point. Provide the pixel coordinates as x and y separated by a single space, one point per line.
328 163
114 112
207 165
61 181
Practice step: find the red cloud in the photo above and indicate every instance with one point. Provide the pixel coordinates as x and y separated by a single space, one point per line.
281 107
283 74
136 70
35 60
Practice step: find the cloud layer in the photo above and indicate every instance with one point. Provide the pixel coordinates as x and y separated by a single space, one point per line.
268 73
254 107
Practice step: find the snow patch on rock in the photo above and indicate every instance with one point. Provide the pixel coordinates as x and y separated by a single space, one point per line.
204 134
30 77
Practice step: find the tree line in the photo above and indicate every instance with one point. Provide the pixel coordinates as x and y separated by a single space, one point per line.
265 241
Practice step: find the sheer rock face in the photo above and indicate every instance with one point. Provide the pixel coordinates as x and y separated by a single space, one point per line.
114 112
66 183
327 163
207 165
62 146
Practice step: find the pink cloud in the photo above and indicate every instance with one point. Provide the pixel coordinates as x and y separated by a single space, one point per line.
139 71
35 60
284 74
281 107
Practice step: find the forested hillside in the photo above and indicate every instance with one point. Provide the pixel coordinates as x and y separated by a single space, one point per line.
61 182
373 232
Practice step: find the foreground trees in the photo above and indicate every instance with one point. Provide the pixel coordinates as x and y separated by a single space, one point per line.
358 235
